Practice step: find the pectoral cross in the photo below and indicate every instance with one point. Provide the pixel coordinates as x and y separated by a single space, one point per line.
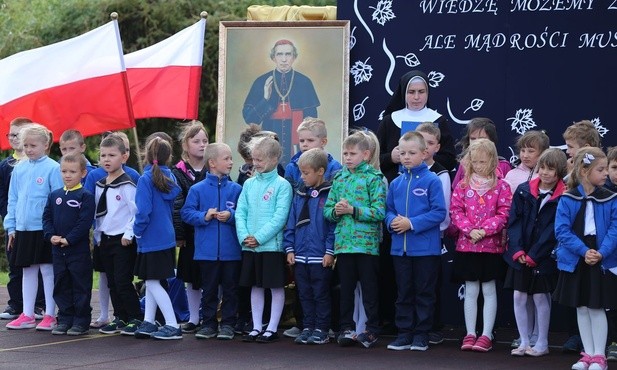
283 104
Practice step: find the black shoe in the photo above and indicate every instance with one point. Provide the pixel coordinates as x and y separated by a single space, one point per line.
78 330
435 337
189 328
252 336
273 337
573 344
9 313
60 329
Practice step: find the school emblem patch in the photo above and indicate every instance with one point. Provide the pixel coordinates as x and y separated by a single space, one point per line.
58 201
39 180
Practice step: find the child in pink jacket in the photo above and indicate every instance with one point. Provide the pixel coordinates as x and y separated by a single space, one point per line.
479 211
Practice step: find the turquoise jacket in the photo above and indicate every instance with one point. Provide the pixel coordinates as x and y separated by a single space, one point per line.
31 183
263 208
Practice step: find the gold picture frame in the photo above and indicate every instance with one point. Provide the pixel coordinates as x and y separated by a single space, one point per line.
245 48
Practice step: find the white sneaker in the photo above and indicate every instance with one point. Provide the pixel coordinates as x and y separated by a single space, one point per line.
292 332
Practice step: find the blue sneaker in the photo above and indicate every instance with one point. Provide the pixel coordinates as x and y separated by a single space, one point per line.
318 337
113 327
168 332
145 330
573 344
131 327
367 339
303 337
419 343
401 343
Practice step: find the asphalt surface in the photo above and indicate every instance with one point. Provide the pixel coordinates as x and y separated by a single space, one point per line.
29 349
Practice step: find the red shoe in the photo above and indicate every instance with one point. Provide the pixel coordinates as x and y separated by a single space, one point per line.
468 342
483 344
22 322
598 362
48 324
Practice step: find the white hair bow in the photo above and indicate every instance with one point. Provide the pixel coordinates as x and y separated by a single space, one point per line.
588 158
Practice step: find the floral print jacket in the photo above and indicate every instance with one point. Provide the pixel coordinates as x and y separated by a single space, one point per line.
469 210
365 190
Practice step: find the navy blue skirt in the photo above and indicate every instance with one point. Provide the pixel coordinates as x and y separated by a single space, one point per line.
159 265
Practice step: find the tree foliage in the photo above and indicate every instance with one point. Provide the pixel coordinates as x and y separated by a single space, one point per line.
29 24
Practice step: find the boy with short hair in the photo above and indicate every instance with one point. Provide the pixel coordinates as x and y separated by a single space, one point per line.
309 242
611 181
357 203
67 220
14 305
580 134
72 142
312 133
415 207
210 207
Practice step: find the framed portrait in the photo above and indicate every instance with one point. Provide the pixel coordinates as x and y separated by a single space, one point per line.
276 74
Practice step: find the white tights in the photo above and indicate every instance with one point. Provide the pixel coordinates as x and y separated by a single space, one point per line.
489 312
156 295
593 328
30 286
276 310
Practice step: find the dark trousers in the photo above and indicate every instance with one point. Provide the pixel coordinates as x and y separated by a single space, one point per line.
416 279
226 274
313 286
119 263
14 286
354 267
73 288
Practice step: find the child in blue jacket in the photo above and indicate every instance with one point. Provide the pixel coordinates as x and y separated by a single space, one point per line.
586 229
309 244
156 239
415 207
67 220
210 207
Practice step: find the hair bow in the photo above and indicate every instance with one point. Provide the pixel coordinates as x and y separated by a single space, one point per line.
588 158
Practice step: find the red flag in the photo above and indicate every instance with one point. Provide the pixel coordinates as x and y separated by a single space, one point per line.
164 78
78 83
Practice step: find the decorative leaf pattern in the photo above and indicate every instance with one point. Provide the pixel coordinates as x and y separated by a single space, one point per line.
383 12
435 78
601 129
359 110
352 39
361 71
411 59
522 121
514 159
475 105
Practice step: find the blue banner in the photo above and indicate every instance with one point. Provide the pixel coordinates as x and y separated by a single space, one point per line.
526 64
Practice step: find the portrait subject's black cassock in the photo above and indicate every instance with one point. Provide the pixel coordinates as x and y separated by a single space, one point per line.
292 99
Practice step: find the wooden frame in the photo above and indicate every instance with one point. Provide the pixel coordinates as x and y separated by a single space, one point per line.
323 56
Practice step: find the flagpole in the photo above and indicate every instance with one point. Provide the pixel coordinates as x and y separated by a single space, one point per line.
114 16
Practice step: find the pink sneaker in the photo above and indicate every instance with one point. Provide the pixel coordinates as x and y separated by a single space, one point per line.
483 344
583 363
468 342
598 362
22 322
48 323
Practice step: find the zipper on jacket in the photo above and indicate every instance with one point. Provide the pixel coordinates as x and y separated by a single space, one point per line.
406 211
218 224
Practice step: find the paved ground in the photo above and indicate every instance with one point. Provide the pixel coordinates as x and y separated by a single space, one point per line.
28 349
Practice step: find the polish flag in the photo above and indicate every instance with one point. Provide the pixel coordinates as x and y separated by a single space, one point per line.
78 83
164 78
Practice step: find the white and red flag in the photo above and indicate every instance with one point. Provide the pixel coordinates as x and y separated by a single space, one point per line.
164 78
78 83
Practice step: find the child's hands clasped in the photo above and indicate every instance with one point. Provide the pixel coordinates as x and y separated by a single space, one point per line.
250 242
342 207
476 235
222 216
592 257
400 224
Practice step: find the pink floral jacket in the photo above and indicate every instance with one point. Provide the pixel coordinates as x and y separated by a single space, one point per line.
469 211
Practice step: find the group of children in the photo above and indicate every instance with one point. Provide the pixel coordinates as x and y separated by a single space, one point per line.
239 238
